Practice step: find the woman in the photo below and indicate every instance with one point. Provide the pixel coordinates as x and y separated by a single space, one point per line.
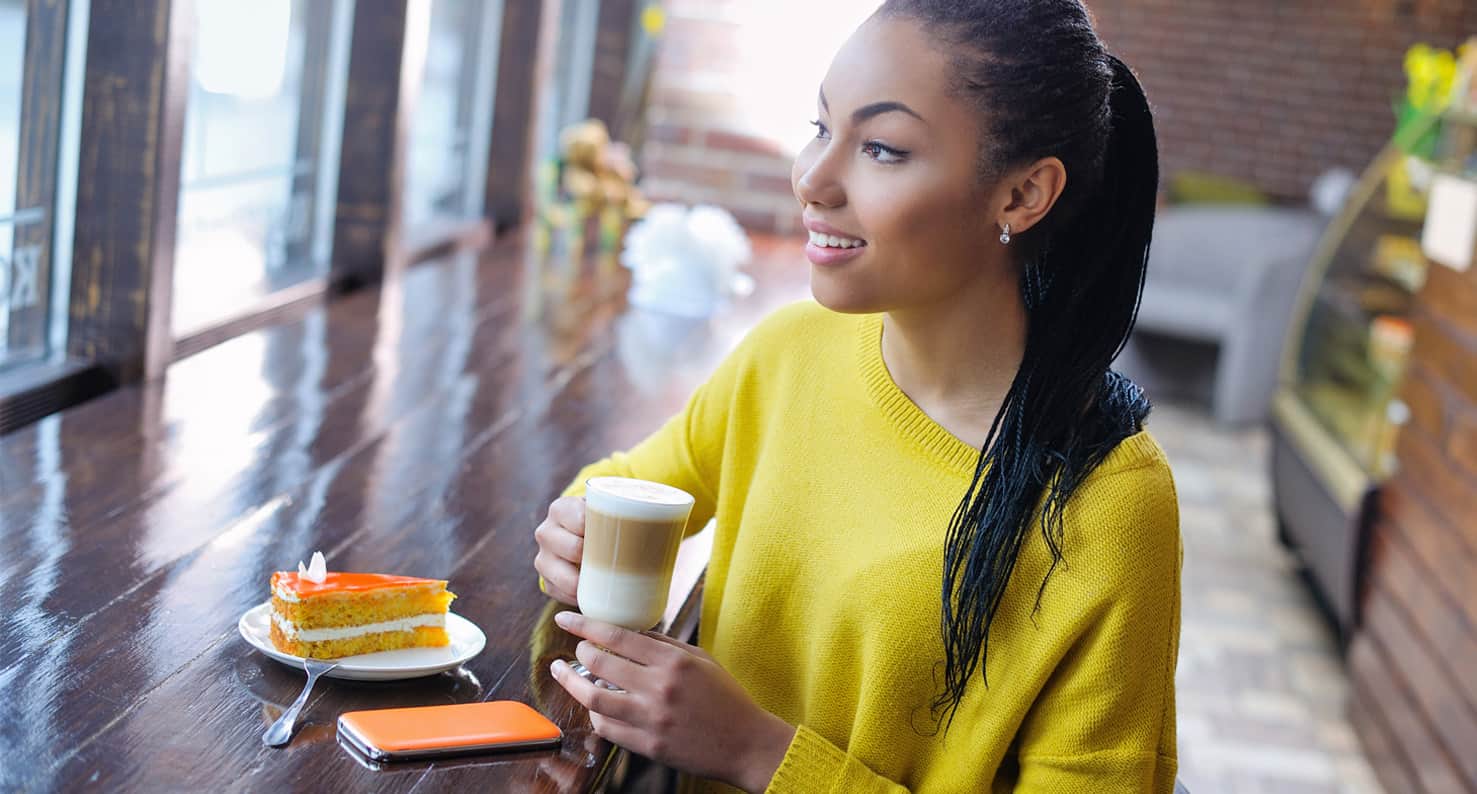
948 553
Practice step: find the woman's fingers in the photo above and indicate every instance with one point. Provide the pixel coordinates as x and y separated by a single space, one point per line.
596 698
561 579
625 734
675 643
559 541
605 664
633 645
561 546
569 512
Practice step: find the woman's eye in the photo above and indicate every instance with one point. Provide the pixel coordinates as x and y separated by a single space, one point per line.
883 153
820 129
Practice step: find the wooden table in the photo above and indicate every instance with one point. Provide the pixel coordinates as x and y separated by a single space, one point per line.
421 428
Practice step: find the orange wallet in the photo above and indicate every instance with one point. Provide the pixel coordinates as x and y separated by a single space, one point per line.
432 731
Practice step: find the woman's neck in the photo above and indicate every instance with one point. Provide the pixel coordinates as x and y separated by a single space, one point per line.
956 359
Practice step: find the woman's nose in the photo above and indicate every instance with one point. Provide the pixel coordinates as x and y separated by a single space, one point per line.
815 181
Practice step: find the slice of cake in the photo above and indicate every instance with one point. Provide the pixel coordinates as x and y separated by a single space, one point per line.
326 615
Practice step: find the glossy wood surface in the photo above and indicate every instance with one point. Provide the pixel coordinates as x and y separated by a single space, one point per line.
420 428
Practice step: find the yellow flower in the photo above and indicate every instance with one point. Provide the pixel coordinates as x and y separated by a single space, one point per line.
1432 75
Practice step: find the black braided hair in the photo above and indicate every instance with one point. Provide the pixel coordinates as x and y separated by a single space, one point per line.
1046 86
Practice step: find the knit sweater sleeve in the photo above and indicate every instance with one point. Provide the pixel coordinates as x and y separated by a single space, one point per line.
1104 721
813 764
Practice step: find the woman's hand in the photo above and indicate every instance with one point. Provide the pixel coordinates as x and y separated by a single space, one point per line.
679 707
561 542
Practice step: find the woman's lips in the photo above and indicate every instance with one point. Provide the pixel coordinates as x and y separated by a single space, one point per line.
826 255
829 245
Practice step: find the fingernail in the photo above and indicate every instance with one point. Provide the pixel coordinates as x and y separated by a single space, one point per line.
557 666
564 618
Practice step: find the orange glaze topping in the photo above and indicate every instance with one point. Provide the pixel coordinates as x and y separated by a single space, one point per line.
338 582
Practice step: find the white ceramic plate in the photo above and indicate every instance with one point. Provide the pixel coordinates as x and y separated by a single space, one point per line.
466 641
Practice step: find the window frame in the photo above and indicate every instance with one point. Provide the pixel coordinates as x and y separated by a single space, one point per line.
110 322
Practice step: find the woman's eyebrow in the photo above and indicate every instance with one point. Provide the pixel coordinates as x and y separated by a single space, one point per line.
865 112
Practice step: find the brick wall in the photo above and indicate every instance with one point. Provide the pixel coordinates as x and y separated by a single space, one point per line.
1275 91
734 87
1414 660
1268 91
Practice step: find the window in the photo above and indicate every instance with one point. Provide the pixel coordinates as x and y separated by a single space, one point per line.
259 170
40 91
452 124
569 86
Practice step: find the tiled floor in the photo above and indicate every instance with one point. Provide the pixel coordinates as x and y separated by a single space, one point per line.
1261 686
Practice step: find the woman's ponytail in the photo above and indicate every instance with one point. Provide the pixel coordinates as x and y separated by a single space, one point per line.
1046 87
1130 188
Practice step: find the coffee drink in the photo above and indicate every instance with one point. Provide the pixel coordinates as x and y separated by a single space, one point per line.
632 531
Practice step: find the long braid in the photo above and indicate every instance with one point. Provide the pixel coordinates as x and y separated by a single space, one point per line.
1046 87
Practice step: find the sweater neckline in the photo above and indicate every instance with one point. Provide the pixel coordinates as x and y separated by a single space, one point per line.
899 408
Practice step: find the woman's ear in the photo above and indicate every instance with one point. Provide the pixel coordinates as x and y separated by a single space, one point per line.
1034 190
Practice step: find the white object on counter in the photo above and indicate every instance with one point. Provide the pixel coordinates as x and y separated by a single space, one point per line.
685 262
1450 233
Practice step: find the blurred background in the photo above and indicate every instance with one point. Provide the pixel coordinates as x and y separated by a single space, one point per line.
175 174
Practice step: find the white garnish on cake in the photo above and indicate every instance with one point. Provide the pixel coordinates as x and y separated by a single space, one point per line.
317 569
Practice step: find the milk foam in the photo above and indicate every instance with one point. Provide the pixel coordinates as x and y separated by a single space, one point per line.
636 499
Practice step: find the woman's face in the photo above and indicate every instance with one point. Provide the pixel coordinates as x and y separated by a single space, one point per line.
893 171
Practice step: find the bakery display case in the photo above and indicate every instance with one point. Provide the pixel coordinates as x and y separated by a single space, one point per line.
1356 333
1336 415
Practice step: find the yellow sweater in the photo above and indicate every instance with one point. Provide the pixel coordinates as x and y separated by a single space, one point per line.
832 492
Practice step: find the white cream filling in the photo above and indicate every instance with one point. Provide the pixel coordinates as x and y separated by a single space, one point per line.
286 595
832 241
289 628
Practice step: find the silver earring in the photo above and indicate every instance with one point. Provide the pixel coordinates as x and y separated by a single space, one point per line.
1005 235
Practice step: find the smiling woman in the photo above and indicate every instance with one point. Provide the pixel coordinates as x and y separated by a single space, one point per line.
980 197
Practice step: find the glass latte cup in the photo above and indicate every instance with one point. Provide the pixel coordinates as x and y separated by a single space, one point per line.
632 531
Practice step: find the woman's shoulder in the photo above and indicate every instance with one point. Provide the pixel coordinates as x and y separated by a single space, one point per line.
1127 509
1134 480
1139 456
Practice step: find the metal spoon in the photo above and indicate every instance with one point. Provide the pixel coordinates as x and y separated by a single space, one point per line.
281 731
